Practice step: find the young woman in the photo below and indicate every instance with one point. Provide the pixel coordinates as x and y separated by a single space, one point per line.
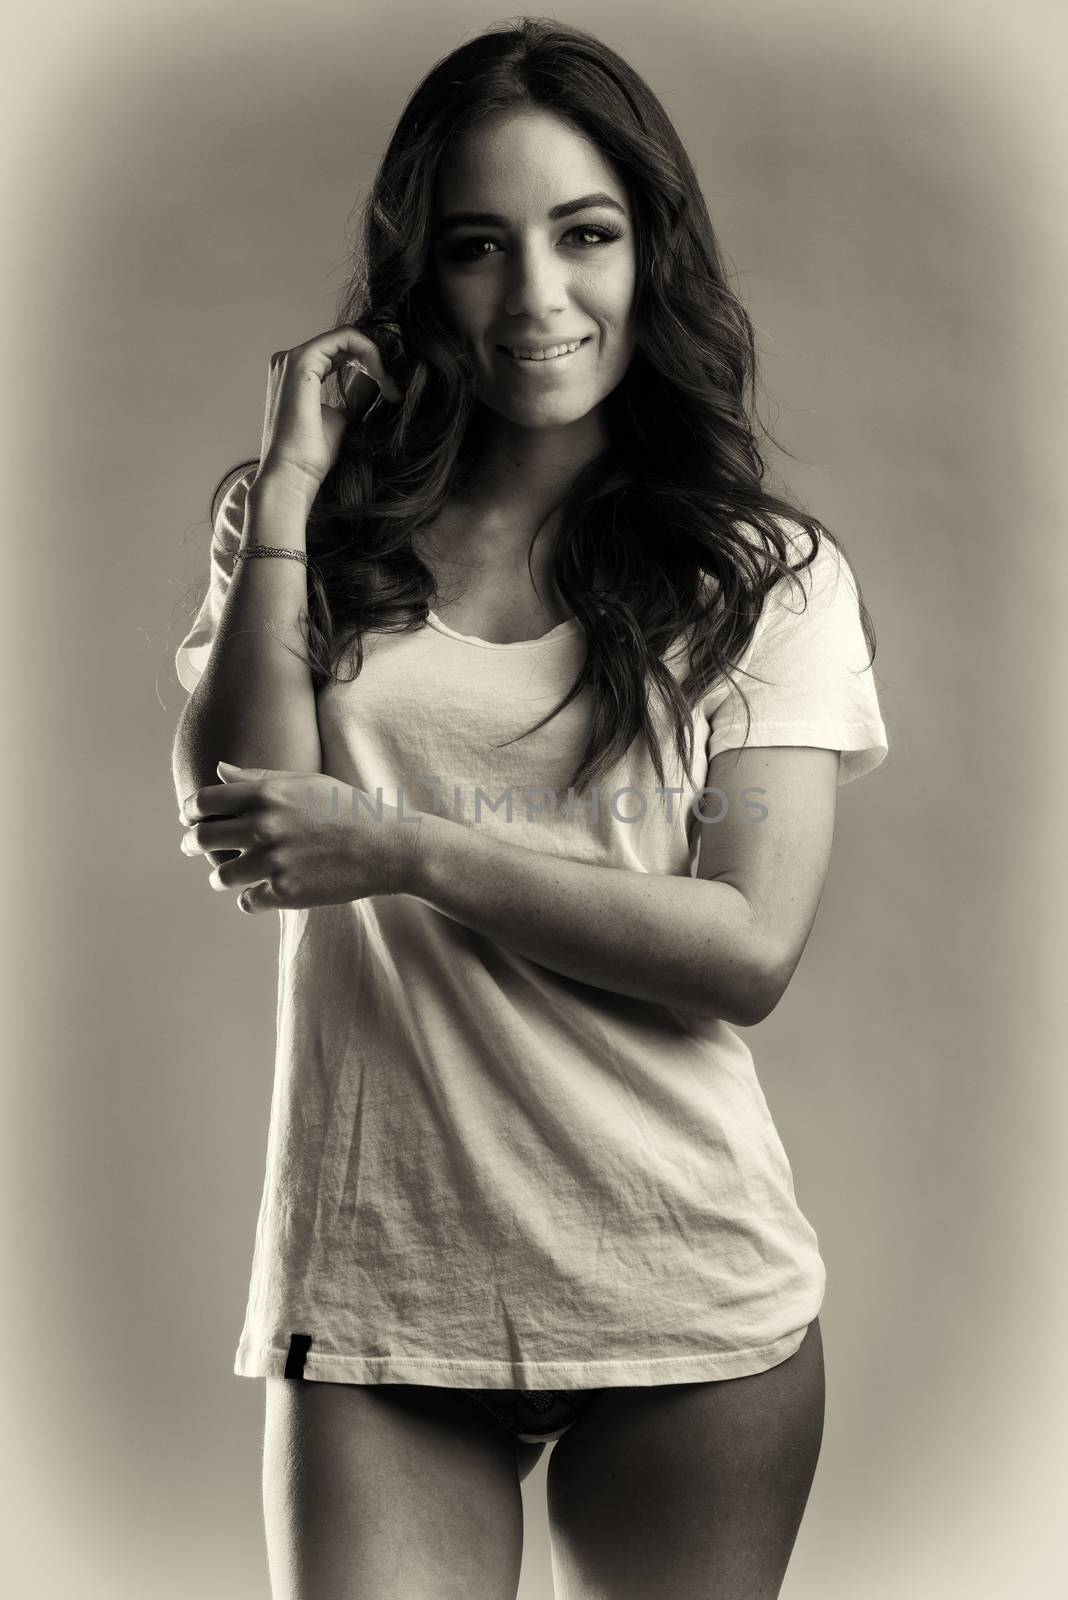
533 863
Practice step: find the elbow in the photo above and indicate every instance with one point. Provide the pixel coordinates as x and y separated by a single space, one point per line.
760 987
191 765
201 739
182 759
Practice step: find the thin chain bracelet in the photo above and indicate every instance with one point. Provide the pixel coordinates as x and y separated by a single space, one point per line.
271 550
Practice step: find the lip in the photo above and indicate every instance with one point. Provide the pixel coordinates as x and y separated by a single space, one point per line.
506 351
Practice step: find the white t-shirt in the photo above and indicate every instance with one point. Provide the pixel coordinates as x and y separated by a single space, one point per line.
481 1173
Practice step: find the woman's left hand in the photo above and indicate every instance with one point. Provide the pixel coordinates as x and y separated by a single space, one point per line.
305 839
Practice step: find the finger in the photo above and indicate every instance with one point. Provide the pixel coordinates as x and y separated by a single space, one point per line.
332 349
219 800
223 833
238 873
260 897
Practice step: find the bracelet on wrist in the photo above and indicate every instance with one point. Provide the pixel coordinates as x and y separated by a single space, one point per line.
271 550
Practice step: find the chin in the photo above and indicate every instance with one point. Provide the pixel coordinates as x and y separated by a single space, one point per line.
545 417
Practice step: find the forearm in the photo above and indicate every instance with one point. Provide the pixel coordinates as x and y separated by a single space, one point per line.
255 703
691 944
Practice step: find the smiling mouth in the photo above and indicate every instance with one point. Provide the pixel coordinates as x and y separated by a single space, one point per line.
563 352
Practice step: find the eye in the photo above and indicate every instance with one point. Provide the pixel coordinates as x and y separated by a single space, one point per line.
466 250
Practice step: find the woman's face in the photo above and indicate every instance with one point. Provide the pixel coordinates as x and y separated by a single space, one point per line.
518 277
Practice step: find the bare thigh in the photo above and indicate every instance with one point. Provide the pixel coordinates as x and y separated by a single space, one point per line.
388 1492
692 1491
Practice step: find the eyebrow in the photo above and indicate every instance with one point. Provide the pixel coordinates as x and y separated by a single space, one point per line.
490 219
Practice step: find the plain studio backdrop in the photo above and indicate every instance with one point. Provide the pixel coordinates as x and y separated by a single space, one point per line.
888 184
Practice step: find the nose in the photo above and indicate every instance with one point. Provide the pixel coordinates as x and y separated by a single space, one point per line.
537 286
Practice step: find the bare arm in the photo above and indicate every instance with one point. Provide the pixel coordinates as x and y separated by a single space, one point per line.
685 944
723 944
255 704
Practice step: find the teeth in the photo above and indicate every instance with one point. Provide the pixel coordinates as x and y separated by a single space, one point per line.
544 355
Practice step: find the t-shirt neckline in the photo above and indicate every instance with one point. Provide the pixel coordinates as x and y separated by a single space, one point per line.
562 630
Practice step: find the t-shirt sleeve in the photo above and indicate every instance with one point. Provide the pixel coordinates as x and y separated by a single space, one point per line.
229 522
811 683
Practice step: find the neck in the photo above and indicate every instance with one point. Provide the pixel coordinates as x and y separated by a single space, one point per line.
519 474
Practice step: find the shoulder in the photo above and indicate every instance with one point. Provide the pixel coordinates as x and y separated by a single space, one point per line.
821 577
228 504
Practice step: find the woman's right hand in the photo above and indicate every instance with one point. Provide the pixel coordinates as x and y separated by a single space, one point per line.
301 436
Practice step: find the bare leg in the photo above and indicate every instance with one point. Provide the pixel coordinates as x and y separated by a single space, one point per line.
689 1491
388 1492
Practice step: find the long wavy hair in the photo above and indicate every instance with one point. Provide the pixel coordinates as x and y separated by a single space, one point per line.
648 521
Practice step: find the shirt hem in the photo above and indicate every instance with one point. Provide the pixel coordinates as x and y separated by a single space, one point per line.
269 1361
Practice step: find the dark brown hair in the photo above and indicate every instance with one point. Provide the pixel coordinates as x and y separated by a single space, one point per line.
676 498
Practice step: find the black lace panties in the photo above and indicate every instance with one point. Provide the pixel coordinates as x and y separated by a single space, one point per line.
535 1414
